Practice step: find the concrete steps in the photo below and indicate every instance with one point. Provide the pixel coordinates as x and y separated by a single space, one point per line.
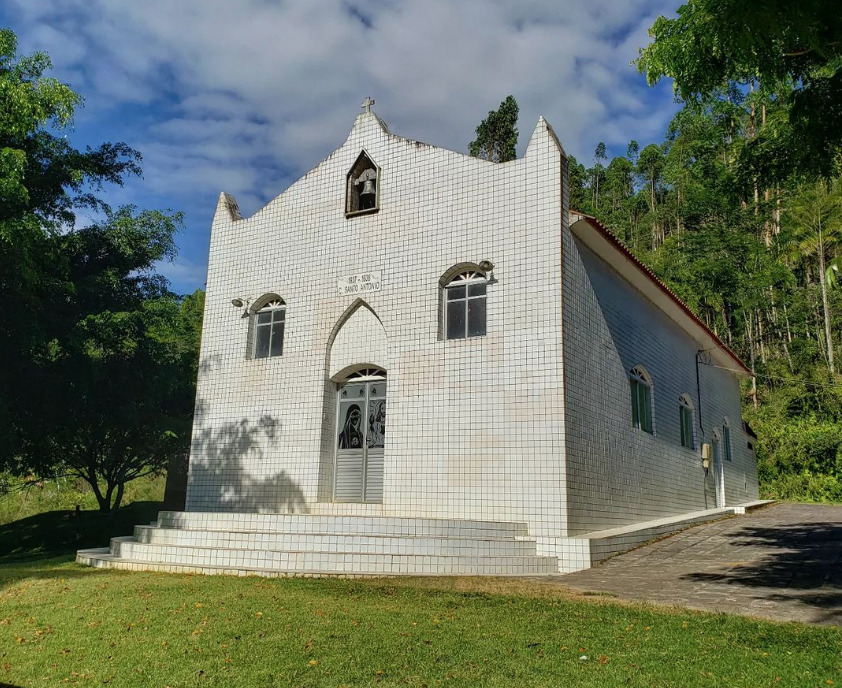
319 545
325 523
337 542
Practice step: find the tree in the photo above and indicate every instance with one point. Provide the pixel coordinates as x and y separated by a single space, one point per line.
619 181
43 180
632 151
599 156
96 380
791 48
120 367
650 167
497 134
816 212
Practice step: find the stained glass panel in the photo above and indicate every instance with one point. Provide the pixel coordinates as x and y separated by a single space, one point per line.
350 425
376 423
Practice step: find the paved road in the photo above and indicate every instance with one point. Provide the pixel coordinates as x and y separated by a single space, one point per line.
782 562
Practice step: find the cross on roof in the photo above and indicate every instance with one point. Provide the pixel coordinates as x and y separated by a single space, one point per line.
367 103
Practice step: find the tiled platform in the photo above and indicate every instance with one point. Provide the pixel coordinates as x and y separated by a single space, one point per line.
359 545
319 545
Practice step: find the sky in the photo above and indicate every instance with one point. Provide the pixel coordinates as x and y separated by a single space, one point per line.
246 96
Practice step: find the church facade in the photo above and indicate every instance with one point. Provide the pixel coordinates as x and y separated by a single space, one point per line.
427 340
422 333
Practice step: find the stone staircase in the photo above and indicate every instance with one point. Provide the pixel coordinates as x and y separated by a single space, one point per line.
323 545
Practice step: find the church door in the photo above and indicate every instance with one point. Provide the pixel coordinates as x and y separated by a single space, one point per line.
360 437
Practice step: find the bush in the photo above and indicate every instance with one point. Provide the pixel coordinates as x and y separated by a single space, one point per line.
802 487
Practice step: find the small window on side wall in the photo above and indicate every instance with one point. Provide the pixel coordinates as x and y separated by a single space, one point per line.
268 328
726 440
685 418
465 305
641 398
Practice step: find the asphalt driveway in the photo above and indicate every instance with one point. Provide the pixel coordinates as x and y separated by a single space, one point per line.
782 562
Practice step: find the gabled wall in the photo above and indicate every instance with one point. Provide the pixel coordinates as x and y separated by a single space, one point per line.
475 427
617 474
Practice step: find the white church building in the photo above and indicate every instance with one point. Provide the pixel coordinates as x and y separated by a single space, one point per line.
416 361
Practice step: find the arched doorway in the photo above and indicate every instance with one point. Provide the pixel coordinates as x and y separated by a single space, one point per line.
360 436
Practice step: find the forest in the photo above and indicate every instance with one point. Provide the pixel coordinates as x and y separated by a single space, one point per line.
738 209
754 259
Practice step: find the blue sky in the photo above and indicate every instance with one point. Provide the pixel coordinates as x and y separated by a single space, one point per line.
246 96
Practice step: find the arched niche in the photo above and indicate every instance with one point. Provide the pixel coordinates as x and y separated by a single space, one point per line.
359 338
362 187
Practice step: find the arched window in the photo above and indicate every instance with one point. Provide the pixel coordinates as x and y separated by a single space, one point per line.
726 439
685 419
464 305
268 327
641 397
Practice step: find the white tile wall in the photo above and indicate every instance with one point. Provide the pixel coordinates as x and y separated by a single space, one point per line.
617 474
475 427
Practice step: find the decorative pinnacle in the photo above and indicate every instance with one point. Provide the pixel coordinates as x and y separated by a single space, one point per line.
367 103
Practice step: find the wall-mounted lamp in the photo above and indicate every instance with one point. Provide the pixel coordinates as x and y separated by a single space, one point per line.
488 268
242 303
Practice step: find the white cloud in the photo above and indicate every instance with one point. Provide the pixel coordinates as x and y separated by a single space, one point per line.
246 96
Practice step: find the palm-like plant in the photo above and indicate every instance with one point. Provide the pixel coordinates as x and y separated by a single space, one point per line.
815 213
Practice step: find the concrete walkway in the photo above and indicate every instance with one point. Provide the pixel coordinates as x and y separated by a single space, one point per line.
783 562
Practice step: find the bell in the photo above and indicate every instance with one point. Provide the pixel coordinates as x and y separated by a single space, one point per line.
369 188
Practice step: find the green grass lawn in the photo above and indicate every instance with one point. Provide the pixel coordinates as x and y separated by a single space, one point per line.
23 498
61 623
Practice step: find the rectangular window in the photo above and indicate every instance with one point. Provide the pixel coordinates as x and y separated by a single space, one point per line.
455 319
685 416
641 405
455 293
262 336
269 333
465 311
276 345
726 442
476 317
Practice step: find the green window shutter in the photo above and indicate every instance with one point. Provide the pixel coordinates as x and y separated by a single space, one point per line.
646 408
686 416
683 426
726 438
634 400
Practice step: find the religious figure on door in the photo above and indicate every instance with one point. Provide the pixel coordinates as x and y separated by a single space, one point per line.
351 436
377 424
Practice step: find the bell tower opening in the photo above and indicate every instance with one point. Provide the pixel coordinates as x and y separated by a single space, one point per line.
362 193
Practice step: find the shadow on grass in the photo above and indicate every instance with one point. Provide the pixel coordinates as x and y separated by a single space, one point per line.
55 533
803 564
